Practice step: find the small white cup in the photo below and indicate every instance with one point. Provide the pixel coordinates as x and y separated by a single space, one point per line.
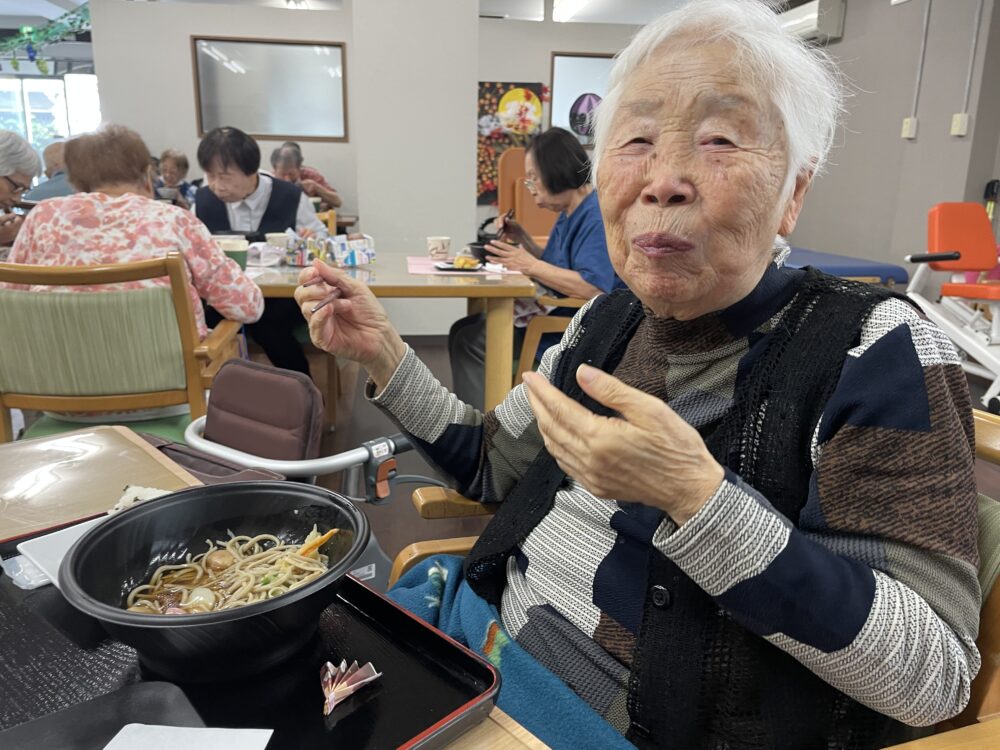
438 247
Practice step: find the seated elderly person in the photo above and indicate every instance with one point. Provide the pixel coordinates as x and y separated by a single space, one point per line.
115 220
19 164
57 182
171 184
239 198
286 161
736 505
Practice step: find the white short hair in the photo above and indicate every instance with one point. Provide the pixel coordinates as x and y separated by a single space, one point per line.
803 82
17 155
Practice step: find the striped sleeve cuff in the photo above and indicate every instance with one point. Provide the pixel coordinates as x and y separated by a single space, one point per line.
418 402
734 537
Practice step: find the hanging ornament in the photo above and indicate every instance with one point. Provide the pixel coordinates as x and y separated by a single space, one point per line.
42 65
32 54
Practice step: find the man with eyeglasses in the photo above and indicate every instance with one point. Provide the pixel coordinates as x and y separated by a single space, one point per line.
19 164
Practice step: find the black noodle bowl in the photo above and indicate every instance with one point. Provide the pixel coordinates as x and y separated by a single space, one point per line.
121 553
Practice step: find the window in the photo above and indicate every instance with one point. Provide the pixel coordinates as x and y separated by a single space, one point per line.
47 109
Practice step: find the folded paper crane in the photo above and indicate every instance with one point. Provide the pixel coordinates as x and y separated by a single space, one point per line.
340 682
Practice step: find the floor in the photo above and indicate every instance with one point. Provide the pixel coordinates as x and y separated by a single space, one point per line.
395 522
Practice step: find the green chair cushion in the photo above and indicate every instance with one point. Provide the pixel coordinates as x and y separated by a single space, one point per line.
135 329
169 428
989 543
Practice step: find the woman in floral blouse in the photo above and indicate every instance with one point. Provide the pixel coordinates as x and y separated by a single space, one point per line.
115 220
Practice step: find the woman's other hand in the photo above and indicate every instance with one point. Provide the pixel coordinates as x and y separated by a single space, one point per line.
513 257
353 326
10 225
647 454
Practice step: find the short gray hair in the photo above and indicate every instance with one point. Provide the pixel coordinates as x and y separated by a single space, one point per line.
804 83
17 155
286 156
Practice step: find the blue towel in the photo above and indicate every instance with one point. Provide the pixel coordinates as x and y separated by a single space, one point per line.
436 591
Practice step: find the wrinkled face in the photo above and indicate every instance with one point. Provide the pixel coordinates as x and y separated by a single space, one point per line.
171 173
690 181
288 173
12 186
228 183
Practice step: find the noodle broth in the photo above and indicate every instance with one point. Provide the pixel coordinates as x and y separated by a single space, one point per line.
232 573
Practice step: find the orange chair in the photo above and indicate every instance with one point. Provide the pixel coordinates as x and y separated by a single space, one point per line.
512 194
960 238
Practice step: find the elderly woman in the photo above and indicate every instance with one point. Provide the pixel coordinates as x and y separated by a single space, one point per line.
736 505
286 161
19 165
574 262
115 220
172 183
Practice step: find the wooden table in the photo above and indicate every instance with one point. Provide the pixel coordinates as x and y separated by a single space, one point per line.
984 736
493 294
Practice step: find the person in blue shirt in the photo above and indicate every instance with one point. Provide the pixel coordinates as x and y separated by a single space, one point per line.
57 185
574 262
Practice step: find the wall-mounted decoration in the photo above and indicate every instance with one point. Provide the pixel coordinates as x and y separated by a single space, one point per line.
510 114
579 83
271 89
30 40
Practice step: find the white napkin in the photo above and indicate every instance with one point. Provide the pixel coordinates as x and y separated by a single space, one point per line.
155 737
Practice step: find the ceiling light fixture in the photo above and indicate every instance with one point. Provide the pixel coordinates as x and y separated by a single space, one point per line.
565 10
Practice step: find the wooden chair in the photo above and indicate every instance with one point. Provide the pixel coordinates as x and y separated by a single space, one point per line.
984 703
329 218
539 326
104 351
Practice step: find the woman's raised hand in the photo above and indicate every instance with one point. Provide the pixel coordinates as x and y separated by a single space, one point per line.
646 454
353 325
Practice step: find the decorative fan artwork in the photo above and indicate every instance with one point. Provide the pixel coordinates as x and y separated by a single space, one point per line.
579 83
581 114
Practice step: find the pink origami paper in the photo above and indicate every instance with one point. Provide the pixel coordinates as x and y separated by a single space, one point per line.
340 682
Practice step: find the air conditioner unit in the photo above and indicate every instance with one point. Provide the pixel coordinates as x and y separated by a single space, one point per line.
815 20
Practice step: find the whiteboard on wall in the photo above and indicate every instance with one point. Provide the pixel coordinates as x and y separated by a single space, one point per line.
576 75
271 89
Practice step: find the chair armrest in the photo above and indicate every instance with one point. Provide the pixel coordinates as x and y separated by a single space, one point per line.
414 553
218 339
562 301
438 502
987 435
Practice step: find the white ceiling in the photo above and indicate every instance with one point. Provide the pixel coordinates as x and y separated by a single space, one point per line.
303 4
46 9
583 11
620 11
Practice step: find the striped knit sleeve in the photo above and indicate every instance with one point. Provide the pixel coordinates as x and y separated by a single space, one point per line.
485 454
875 590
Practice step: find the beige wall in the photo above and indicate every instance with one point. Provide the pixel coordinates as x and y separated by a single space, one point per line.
409 168
874 199
142 54
415 121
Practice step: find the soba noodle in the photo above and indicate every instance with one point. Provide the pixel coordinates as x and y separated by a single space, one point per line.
229 574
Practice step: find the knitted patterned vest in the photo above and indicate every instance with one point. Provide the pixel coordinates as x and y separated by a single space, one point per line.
699 679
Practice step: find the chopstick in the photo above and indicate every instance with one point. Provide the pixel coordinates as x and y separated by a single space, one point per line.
335 294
